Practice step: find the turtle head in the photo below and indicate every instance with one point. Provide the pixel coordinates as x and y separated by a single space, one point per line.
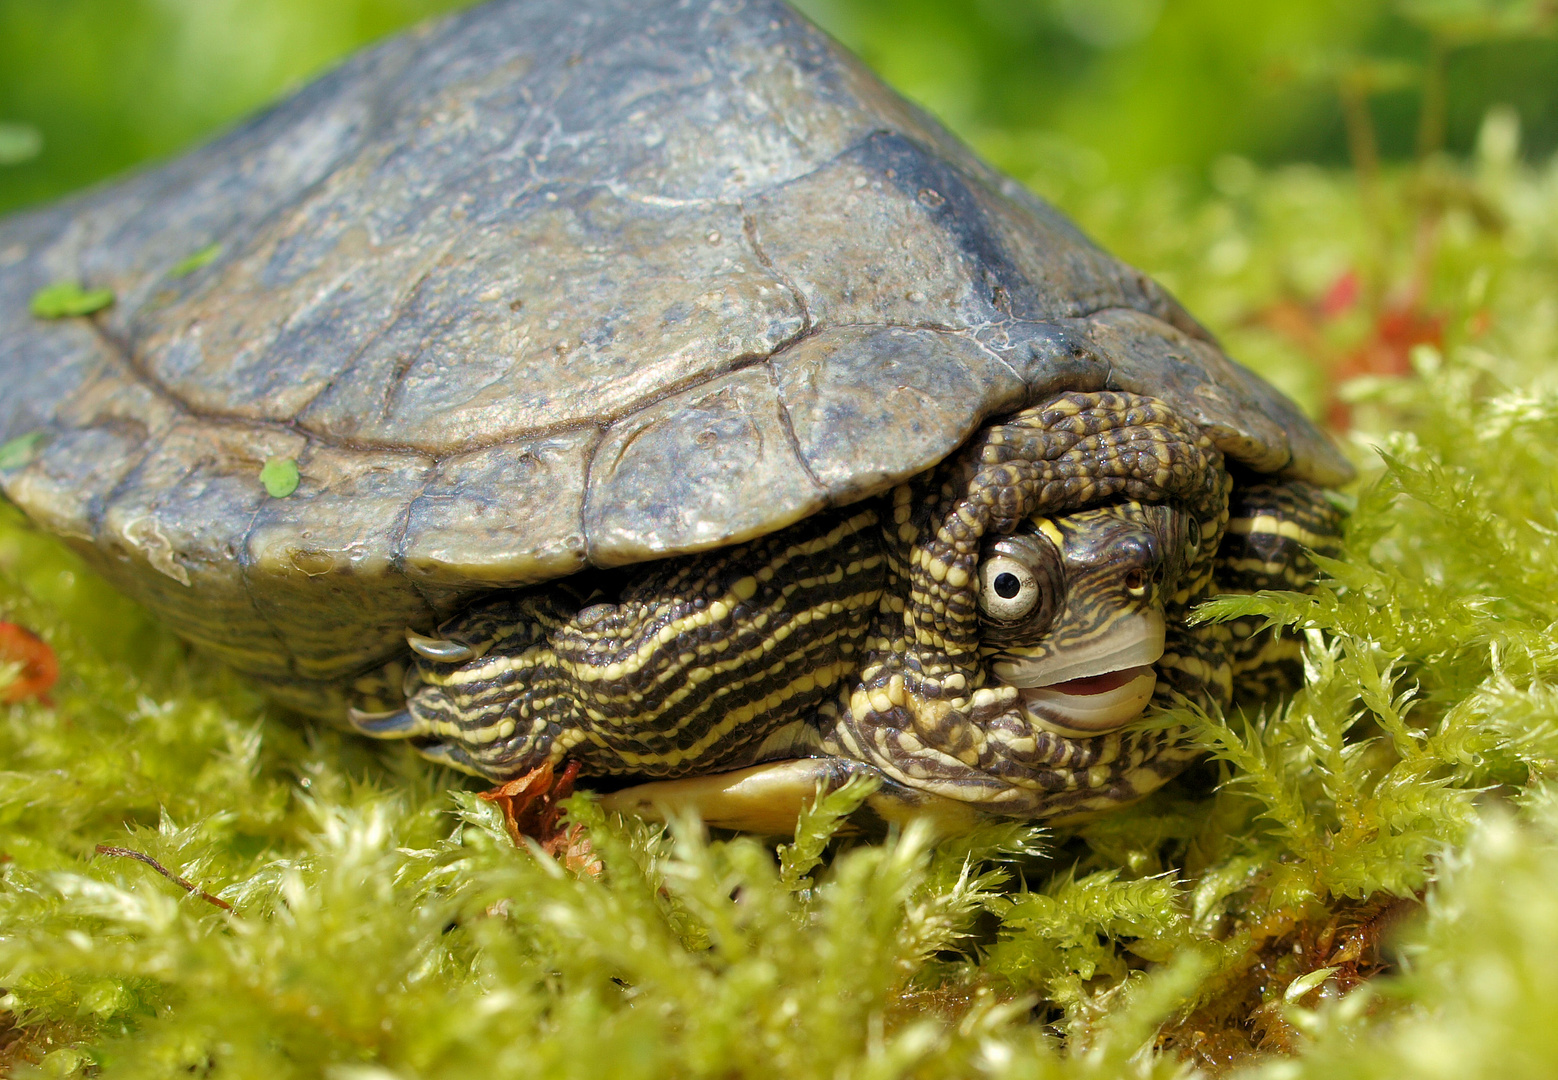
1036 599
1072 609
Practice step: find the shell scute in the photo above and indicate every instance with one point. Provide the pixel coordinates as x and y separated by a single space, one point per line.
1249 419
165 536
319 562
845 386
862 245
711 466
561 312
504 515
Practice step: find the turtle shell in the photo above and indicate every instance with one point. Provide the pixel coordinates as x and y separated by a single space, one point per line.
545 286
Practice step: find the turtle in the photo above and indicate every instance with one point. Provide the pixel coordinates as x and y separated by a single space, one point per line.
642 390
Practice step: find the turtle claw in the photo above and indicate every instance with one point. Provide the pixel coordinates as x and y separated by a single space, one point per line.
451 757
394 724
440 649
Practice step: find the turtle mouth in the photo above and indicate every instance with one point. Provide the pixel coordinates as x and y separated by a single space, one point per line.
1094 688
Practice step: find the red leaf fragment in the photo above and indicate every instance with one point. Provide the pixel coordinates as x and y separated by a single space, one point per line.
1388 348
1386 351
40 667
530 808
1341 296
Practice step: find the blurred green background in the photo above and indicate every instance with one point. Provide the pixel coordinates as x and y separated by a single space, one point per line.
1117 89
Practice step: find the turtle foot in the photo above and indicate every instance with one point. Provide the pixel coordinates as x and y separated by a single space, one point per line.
531 807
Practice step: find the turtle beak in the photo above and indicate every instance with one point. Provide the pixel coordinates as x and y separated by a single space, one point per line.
1094 687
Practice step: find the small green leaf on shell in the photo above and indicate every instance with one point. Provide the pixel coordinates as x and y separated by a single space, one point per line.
280 476
194 262
19 451
64 299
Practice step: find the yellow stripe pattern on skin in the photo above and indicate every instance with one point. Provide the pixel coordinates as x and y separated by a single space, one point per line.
1272 530
960 734
863 624
698 660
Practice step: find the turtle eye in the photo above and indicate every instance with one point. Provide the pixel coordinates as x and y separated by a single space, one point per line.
1008 590
1021 584
1192 533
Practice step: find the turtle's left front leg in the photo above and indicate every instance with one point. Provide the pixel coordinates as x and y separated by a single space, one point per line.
677 668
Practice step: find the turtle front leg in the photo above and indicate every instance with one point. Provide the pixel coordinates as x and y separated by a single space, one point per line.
1272 530
692 665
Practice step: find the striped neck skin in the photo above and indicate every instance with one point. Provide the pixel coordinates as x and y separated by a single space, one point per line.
1037 588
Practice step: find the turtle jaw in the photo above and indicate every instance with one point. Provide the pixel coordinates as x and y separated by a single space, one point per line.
1094 688
1095 705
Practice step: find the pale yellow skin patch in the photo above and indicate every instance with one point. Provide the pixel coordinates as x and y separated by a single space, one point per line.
769 799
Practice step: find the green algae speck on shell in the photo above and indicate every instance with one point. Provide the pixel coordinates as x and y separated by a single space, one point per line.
19 451
65 299
195 261
280 476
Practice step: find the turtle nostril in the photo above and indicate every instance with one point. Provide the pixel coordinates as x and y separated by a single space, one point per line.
1007 586
1136 580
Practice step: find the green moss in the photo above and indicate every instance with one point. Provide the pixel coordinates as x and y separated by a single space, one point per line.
1360 881
19 143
